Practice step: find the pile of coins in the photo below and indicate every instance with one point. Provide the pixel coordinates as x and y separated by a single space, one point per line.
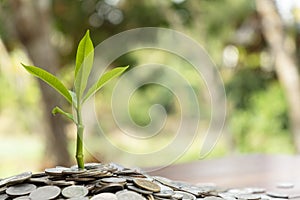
114 182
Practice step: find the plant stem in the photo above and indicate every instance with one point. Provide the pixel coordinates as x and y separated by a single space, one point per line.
79 142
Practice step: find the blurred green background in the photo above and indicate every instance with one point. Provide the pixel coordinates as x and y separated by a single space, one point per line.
255 45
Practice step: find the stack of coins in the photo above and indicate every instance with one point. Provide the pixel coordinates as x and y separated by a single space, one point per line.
114 182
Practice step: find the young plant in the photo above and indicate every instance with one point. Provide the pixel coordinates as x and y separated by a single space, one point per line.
83 67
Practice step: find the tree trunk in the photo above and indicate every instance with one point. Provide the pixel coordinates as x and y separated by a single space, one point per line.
33 27
285 62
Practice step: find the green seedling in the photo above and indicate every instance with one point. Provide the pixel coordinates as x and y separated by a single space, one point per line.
80 94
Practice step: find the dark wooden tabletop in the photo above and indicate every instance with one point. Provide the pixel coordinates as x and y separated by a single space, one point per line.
238 171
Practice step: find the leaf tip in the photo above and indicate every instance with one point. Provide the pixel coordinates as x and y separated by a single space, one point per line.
23 65
87 34
54 110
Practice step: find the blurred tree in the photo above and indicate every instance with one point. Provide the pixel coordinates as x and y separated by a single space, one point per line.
285 61
32 23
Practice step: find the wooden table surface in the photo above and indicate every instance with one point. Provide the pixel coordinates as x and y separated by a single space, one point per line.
238 171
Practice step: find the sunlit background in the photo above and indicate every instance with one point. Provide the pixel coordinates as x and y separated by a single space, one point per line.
263 111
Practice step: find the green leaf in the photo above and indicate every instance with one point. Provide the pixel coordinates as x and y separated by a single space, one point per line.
50 79
103 80
84 64
60 111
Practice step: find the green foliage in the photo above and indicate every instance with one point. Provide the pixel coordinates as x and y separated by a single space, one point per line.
245 83
220 20
51 80
84 63
60 111
103 80
258 116
262 125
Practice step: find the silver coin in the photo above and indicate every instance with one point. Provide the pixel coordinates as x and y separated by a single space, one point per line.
206 184
165 181
75 191
162 179
194 190
92 165
112 188
22 198
213 198
80 179
239 191
104 174
3 189
164 193
117 166
61 183
79 198
90 186
294 196
38 174
3 196
164 187
249 196
177 196
285 185
277 195
57 171
256 190
185 195
129 172
266 197
20 189
45 192
113 180
72 171
92 173
226 196
111 168
205 187
139 190
43 180
15 179
105 196
129 195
